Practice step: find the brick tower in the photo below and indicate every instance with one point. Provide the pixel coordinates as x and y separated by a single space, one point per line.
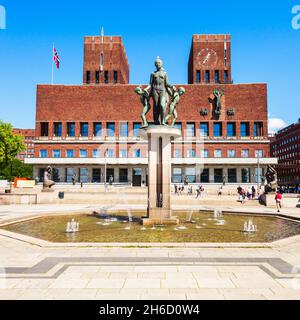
105 61
210 59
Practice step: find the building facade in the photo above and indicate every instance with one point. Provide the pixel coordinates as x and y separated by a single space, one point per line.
81 130
286 147
29 137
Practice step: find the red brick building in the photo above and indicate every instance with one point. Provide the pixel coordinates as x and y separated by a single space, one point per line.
79 129
29 136
286 147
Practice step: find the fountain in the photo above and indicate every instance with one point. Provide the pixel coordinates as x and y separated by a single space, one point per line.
218 214
249 226
72 226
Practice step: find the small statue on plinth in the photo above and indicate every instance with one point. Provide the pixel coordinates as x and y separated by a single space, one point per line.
48 183
271 183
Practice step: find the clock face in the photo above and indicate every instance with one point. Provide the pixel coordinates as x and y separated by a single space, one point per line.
207 58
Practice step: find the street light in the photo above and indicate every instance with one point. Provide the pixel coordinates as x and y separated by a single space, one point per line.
105 169
258 172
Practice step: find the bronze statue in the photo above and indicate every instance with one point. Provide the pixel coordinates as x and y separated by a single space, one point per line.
48 183
271 182
144 97
174 102
159 89
218 94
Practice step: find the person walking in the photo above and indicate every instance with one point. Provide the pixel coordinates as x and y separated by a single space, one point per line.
278 199
176 189
253 193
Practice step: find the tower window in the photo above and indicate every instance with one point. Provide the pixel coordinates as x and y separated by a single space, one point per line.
44 129
115 76
97 76
226 76
207 76
217 76
88 77
198 76
106 77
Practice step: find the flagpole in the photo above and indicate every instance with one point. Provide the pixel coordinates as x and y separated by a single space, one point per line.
52 79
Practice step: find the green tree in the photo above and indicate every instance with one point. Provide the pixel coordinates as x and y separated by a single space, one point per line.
10 145
17 169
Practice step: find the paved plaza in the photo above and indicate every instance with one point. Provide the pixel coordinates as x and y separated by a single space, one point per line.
40 270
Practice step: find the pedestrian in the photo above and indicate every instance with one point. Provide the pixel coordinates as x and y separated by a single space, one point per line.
253 193
220 191
249 193
176 189
198 191
278 199
190 191
182 189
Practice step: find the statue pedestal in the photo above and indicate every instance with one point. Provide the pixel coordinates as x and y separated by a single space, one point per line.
159 173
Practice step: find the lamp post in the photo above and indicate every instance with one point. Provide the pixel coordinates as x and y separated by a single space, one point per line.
258 172
105 169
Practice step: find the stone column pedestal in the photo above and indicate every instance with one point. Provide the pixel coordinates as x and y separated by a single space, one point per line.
159 174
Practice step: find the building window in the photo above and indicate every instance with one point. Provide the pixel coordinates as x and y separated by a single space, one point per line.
245 129
123 153
70 153
115 76
56 153
205 176
137 153
190 153
71 129
218 153
97 129
101 59
232 176
226 76
110 129
57 129
83 175
97 153
110 153
231 129
88 77
218 129
136 129
259 153
190 129
177 175
84 129
97 76
191 174
83 153
217 76
198 76
204 153
258 129
43 154
44 129
106 77
231 153
123 129
123 175
245 153
70 173
207 76
177 153
178 125
204 129
245 175
218 175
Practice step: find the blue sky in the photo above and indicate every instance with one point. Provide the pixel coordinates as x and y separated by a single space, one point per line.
265 47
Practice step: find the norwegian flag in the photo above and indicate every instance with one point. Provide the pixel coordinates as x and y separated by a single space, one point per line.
56 58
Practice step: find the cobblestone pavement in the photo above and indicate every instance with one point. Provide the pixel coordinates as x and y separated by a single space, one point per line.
32 272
